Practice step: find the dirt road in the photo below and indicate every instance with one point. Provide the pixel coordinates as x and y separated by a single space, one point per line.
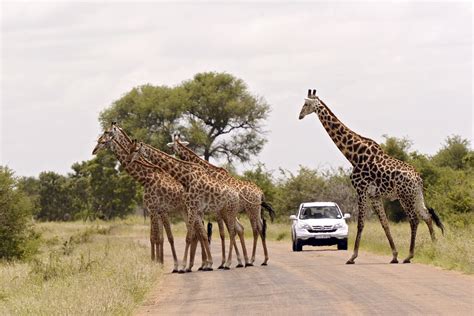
313 282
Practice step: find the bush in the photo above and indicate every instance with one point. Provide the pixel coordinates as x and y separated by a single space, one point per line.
18 240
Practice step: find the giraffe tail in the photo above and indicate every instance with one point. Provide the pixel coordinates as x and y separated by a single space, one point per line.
270 210
436 219
209 232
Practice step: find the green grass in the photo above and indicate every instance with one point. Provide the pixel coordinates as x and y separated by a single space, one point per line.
84 268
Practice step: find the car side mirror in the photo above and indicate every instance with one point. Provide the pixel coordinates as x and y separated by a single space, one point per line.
293 217
347 216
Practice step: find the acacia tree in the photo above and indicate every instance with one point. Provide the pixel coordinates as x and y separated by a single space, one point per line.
214 111
224 118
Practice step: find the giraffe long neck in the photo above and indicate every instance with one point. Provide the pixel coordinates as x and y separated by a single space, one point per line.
187 154
135 170
179 170
355 148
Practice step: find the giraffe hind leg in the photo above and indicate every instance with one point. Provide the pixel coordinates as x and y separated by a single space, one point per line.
409 206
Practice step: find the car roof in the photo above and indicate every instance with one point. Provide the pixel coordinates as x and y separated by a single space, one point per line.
309 204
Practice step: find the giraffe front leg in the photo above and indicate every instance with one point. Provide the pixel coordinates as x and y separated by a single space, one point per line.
203 256
360 227
240 232
378 207
160 242
220 223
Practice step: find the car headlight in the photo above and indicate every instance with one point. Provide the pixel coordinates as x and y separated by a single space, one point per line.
304 226
339 225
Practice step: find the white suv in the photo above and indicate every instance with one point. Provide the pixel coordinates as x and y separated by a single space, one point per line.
319 224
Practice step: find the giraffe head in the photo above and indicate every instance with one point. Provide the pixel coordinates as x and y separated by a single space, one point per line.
311 104
137 151
103 142
176 137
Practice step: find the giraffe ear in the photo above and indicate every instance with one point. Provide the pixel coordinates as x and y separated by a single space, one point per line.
185 143
170 145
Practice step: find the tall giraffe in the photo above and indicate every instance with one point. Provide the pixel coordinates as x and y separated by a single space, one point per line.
202 194
162 195
375 176
251 196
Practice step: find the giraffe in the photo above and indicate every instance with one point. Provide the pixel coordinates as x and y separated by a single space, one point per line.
202 194
250 195
375 176
162 195
120 136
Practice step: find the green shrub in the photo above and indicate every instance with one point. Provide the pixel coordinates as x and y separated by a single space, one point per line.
18 240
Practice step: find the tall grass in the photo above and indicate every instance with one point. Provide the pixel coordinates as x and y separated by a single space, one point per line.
94 268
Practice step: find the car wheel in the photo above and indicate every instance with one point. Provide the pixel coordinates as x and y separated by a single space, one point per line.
293 245
342 244
298 245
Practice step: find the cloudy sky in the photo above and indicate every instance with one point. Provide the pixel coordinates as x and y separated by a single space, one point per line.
402 69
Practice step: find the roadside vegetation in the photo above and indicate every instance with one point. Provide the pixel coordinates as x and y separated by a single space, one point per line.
94 268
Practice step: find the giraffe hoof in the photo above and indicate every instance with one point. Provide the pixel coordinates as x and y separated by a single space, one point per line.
249 265
200 269
174 271
406 261
264 264
220 267
188 270
181 271
350 262
239 265
394 261
209 269
226 268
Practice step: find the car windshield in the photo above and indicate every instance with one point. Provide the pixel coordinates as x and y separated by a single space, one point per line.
320 212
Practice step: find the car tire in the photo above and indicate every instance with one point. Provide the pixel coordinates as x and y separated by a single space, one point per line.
342 244
298 245
293 245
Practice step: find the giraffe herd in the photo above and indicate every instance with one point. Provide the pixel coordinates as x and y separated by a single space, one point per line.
192 187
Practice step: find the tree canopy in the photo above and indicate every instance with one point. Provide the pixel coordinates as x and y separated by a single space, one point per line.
214 111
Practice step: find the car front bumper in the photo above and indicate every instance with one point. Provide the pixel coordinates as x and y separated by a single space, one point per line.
321 238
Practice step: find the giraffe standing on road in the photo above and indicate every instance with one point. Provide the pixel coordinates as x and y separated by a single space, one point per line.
251 197
202 194
375 176
162 195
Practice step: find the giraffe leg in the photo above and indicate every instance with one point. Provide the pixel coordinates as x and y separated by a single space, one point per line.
153 236
264 242
203 237
409 205
192 255
255 232
160 242
230 223
169 234
414 226
220 223
378 207
240 232
203 256
360 226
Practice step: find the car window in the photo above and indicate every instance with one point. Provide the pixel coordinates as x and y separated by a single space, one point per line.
316 212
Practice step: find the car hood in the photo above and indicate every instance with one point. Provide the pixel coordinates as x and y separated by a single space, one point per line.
322 221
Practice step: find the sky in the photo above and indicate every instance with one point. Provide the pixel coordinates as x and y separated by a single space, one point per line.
401 69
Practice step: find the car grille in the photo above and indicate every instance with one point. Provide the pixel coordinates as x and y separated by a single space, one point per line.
322 229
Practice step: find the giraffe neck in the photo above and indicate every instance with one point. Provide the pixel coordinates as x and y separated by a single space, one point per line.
187 154
178 169
136 171
355 148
